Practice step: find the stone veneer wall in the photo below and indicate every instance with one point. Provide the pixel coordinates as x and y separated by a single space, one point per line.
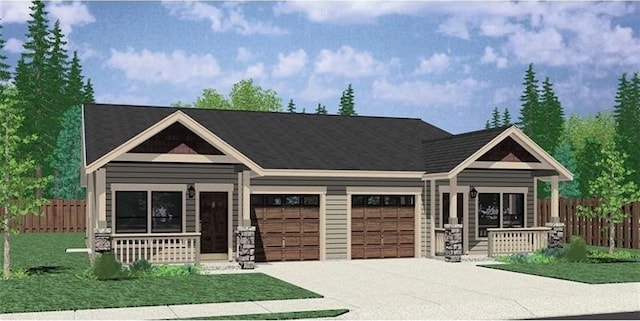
556 235
452 242
246 246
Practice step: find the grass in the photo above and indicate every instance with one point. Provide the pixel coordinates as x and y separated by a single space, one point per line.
607 270
278 316
54 284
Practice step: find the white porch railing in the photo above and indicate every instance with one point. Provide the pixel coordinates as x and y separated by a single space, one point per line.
439 246
517 240
157 248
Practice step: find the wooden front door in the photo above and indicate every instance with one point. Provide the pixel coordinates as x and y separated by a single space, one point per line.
214 219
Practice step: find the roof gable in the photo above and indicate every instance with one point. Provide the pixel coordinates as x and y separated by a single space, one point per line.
176 139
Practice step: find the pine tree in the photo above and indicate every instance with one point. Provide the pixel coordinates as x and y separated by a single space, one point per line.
552 118
530 111
291 107
67 157
627 118
506 117
75 90
347 105
35 88
58 69
321 109
564 155
88 92
487 125
5 74
495 118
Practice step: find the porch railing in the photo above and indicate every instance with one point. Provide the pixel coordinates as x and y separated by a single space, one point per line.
439 246
157 248
516 240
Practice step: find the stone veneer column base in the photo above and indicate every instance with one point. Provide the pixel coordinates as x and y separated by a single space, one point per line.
452 242
556 235
246 236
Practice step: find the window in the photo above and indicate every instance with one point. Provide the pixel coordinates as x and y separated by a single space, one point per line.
500 210
141 208
382 200
288 200
166 212
131 212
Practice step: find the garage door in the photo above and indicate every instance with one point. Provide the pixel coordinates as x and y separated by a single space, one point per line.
382 226
287 227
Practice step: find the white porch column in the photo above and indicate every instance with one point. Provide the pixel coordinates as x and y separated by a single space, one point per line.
246 198
555 218
101 195
453 200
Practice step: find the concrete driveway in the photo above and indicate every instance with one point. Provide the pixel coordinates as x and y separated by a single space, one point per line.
432 289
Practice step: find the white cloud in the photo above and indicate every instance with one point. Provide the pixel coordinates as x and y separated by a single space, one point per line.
176 68
427 94
347 11
348 62
438 62
222 19
291 64
14 11
244 54
455 27
13 45
490 57
70 14
256 71
318 90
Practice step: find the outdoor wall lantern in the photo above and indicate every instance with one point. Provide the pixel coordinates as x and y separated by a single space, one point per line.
191 191
473 193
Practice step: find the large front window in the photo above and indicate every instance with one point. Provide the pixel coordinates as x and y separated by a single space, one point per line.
148 211
500 210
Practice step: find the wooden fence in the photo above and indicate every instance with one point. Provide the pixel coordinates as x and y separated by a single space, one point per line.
59 216
595 231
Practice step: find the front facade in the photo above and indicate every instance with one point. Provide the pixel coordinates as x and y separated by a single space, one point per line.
172 185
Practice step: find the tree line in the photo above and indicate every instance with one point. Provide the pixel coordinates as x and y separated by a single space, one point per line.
246 95
40 117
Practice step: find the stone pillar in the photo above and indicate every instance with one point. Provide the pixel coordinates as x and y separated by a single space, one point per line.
102 239
452 242
246 236
556 235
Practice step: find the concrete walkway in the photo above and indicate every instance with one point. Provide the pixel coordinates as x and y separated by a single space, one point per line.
400 289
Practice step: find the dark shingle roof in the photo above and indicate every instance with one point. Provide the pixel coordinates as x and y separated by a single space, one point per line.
444 154
279 140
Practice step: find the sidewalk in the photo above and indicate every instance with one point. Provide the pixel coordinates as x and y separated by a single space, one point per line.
183 311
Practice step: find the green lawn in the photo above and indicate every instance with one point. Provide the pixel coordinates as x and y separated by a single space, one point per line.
585 272
278 316
56 286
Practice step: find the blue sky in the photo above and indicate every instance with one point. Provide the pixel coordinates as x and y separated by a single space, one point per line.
448 63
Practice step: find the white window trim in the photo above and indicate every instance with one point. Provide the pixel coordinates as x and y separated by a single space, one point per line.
465 205
148 188
500 190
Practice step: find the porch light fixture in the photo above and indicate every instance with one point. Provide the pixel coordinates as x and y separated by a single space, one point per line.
473 193
191 191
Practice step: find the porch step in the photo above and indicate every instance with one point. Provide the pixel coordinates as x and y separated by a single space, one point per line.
467 258
219 267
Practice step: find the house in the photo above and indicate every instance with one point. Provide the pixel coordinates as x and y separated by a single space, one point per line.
173 184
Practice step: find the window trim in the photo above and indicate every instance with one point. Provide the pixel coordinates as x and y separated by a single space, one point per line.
149 188
501 191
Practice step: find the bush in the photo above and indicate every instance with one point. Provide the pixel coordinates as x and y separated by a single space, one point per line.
87 275
576 250
140 268
106 267
19 273
174 270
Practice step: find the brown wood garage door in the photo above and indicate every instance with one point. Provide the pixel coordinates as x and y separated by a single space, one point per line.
287 227
382 226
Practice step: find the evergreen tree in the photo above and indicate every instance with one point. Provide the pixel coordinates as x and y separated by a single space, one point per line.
530 111
88 92
291 107
67 157
347 105
36 92
487 125
551 118
321 109
58 69
506 117
495 118
564 155
5 74
75 90
627 118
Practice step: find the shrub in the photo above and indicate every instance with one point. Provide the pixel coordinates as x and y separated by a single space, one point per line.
174 270
140 268
87 275
576 250
106 267
19 273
